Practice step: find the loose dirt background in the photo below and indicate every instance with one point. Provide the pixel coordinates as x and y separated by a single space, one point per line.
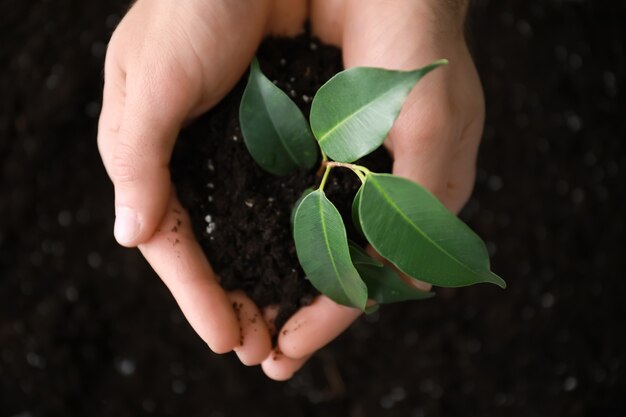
86 328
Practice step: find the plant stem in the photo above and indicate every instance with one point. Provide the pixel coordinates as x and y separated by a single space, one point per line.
326 172
324 157
360 175
326 165
321 169
360 171
322 164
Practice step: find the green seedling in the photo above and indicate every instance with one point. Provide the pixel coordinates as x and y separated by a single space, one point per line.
350 117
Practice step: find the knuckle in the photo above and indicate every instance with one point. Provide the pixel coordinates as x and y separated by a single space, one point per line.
124 164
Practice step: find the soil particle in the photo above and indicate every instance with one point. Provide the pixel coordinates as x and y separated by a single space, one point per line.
237 308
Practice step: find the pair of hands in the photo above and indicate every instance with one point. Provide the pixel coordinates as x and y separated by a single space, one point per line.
168 62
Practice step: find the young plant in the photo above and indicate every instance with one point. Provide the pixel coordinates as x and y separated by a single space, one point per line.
350 117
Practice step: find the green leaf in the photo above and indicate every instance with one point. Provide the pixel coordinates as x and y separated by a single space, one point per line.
384 285
274 129
353 112
359 257
408 226
297 203
322 248
355 211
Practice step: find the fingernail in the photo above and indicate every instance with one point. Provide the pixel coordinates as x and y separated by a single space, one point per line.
126 225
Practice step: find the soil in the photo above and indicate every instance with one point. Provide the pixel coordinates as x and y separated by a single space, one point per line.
86 328
240 213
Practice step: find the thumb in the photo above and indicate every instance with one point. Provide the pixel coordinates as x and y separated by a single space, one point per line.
139 122
422 142
432 144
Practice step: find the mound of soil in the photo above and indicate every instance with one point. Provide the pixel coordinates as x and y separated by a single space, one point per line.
240 213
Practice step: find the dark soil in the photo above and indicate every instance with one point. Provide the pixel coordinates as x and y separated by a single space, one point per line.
86 328
240 213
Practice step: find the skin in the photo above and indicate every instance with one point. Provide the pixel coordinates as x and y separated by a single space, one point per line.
168 62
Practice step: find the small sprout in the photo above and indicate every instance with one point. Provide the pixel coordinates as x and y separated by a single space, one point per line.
350 117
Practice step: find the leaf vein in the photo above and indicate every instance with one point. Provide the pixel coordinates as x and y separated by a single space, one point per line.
416 228
351 115
330 254
271 115
326 242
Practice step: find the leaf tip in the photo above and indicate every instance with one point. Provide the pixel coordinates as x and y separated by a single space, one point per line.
359 300
428 68
495 279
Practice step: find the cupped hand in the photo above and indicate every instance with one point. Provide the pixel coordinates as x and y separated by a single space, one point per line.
168 62
434 141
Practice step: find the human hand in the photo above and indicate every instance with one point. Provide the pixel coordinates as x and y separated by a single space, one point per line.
434 141
168 62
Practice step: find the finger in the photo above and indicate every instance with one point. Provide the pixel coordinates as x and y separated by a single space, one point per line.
279 367
254 342
327 20
423 143
177 258
432 145
314 326
113 99
390 34
269 315
287 17
140 120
